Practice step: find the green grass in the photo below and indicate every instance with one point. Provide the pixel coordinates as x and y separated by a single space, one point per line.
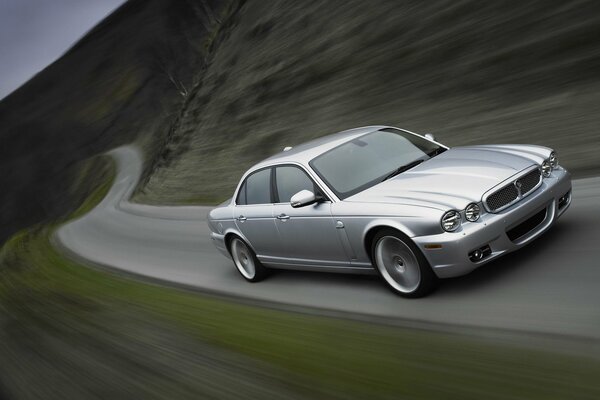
45 293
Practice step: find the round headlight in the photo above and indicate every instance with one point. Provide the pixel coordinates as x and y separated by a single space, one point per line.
553 159
472 212
546 168
451 221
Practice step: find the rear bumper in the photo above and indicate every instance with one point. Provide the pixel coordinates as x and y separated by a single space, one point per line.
219 242
452 258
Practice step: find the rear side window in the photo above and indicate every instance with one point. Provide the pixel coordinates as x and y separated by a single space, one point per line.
241 199
256 189
290 180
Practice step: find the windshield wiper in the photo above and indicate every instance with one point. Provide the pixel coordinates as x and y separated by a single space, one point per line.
403 168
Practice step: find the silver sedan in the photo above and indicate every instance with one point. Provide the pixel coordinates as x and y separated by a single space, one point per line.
386 200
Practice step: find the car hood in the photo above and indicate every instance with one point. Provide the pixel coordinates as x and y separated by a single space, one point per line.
455 178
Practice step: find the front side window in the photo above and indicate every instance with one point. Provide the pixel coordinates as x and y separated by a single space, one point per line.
256 189
290 180
367 160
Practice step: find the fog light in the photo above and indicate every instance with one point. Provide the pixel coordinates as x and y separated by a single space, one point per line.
480 253
564 200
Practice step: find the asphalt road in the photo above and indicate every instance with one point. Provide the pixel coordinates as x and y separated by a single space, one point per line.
549 287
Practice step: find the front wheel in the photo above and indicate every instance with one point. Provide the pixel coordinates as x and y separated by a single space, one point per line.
400 263
245 261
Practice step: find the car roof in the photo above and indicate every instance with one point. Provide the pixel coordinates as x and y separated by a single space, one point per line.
305 152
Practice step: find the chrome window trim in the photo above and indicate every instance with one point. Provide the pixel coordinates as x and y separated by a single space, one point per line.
513 179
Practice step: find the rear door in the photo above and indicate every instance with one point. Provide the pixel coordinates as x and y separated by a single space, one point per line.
253 213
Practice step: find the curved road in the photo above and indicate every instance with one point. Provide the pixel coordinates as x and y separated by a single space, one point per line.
549 287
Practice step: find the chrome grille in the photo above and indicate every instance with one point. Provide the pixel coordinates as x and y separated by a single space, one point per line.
502 197
514 191
529 181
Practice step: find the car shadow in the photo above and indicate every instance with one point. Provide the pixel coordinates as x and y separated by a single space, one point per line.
325 277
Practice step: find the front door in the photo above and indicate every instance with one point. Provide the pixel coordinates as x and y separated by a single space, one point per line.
308 234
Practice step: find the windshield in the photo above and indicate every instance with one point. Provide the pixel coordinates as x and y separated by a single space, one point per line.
367 160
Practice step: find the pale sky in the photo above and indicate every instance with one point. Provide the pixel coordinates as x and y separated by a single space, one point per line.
34 33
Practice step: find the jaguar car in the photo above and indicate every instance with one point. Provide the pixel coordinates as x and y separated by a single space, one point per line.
389 201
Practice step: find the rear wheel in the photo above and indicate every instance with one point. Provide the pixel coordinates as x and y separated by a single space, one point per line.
245 261
402 265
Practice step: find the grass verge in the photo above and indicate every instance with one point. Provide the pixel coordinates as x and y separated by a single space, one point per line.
74 332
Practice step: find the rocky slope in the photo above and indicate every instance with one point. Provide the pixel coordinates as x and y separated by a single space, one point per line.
469 71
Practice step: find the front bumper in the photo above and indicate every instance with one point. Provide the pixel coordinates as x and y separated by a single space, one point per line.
452 258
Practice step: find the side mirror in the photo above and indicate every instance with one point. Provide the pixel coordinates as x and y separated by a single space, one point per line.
430 136
303 198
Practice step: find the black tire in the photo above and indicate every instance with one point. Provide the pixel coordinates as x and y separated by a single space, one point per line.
245 260
401 264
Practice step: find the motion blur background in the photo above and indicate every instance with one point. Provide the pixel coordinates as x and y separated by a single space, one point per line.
206 88
209 87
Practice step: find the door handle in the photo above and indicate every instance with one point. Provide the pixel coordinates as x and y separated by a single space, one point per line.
241 218
283 216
